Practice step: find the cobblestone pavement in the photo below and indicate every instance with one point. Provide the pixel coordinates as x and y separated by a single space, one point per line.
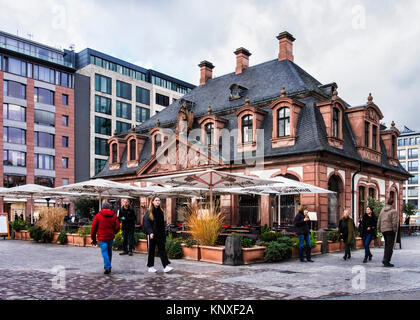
46 271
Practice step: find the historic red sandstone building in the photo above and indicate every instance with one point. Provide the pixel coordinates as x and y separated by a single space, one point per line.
277 114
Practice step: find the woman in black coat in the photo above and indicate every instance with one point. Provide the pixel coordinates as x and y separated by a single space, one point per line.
154 226
346 228
368 231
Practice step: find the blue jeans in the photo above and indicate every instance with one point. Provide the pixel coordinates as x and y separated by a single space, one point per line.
366 238
302 239
106 250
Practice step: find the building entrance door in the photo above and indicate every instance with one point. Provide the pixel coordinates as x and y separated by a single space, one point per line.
248 210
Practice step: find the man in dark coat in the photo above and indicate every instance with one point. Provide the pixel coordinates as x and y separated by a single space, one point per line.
127 218
302 229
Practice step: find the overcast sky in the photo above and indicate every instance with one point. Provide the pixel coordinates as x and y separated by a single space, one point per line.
363 46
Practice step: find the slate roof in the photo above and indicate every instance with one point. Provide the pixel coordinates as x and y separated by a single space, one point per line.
264 83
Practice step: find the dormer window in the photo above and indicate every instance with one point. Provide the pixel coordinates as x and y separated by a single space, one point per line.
393 147
158 141
133 149
236 91
374 137
335 127
114 153
209 133
367 125
283 127
247 128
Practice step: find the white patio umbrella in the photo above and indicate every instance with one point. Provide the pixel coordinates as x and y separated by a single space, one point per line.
27 191
208 180
101 187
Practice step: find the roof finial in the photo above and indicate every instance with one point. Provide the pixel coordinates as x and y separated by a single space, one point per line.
370 98
133 128
247 100
335 94
283 92
392 124
115 132
158 123
209 110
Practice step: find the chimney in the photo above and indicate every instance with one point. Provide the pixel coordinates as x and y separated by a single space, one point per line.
242 59
206 72
285 46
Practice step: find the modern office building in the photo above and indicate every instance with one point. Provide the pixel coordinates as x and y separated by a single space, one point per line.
408 154
37 121
113 96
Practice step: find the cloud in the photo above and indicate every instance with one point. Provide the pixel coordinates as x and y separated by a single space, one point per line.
363 46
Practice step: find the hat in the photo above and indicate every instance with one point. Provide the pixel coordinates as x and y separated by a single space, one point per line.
106 205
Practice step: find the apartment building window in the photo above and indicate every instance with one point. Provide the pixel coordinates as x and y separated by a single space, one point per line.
64 162
65 99
44 140
142 114
65 142
13 181
402 154
14 135
44 96
103 126
14 89
404 165
417 141
14 158
44 161
102 84
44 74
414 179
103 105
15 66
64 181
45 118
14 112
414 202
400 142
101 147
122 127
413 153
162 100
123 90
45 181
412 192
99 165
65 121
123 110
142 95
413 165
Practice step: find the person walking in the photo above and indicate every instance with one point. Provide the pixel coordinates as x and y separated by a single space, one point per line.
388 226
302 228
346 228
368 232
105 225
127 218
154 227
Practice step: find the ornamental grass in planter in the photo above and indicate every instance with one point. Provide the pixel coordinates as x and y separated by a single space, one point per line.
205 223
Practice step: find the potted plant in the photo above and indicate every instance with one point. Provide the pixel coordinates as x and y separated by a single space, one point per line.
279 250
359 242
333 237
140 240
82 237
205 222
62 238
51 221
19 226
191 250
173 248
252 253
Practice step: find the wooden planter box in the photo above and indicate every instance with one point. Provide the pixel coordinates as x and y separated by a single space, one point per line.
192 253
359 243
317 250
88 240
79 241
19 235
70 238
212 254
55 237
254 254
141 246
26 235
334 246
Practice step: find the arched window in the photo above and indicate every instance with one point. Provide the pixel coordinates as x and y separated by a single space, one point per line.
158 141
335 122
247 128
283 118
133 150
209 131
114 153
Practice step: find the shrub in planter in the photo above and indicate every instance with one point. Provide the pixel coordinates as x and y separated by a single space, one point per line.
52 219
84 231
246 242
62 238
118 241
19 225
333 235
189 243
47 236
174 249
268 236
277 251
265 229
36 233
313 241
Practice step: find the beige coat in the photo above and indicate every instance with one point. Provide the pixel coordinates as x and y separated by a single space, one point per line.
388 219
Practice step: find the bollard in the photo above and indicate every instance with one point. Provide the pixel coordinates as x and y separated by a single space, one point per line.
322 236
233 251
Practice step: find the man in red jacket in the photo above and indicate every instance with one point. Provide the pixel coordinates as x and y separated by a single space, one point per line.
106 225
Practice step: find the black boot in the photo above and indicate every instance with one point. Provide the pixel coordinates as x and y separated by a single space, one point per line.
365 259
370 256
345 257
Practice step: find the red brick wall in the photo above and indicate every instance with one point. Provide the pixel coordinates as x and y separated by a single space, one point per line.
60 131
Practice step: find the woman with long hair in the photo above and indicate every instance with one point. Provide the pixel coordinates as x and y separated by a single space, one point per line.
346 228
154 227
368 231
